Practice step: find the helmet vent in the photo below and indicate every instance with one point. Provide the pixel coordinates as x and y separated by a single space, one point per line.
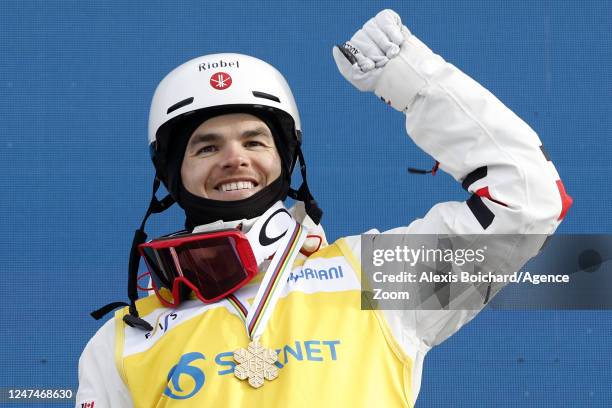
264 95
180 104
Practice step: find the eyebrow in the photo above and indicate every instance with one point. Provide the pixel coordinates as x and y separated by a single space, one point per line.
213 137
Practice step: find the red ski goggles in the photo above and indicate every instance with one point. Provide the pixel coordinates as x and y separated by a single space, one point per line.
211 264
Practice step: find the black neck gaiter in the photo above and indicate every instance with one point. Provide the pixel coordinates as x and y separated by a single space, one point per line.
199 210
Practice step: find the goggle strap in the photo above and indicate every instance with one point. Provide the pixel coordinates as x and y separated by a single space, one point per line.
101 312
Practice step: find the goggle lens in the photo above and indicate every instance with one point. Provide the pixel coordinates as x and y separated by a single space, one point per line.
213 265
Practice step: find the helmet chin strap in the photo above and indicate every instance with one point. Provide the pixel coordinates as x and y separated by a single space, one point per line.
303 192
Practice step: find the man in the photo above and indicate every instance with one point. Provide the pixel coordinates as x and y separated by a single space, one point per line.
225 135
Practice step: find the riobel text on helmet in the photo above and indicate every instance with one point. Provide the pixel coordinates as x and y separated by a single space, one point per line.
214 65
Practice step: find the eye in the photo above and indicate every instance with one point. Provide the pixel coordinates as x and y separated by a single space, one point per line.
254 143
207 149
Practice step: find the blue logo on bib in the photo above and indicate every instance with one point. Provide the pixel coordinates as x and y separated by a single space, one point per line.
184 369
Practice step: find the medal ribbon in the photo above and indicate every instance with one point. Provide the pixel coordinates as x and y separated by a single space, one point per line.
287 248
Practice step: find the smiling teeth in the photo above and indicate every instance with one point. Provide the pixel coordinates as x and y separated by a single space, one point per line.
241 185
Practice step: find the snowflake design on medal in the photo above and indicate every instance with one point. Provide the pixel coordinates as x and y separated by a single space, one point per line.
255 363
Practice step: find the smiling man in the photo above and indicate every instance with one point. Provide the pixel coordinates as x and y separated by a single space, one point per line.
225 135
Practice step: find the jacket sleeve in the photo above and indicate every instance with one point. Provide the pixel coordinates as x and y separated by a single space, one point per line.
99 380
513 188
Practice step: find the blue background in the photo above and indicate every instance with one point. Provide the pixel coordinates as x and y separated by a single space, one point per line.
76 81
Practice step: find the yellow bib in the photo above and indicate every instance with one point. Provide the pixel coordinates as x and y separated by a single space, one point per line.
330 352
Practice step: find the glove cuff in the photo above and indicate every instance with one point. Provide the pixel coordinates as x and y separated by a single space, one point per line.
406 74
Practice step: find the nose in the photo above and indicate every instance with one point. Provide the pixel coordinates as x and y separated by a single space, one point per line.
234 156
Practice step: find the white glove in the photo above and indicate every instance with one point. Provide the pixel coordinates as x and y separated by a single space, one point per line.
361 60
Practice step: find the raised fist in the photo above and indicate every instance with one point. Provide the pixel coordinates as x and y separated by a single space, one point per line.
362 59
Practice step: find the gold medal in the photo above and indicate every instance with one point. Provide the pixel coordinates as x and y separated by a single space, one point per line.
255 363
